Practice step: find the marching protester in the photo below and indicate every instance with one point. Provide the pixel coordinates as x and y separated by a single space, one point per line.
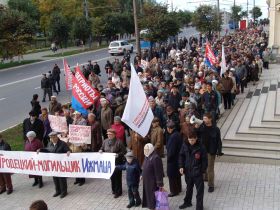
33 124
5 178
210 136
173 146
152 175
193 163
133 172
57 146
182 87
32 145
114 145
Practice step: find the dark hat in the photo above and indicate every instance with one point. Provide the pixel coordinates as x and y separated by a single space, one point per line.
170 124
32 114
129 154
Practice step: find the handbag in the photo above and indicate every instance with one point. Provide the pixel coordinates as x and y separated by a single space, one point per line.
162 200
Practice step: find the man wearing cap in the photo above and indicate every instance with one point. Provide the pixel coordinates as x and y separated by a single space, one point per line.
113 145
57 146
33 124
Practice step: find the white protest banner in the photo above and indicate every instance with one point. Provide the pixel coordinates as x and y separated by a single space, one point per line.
58 123
79 134
223 63
137 113
88 165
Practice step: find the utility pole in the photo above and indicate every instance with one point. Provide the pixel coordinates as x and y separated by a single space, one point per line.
218 11
247 11
86 15
137 33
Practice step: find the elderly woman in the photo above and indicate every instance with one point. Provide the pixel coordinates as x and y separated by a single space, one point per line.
32 144
152 175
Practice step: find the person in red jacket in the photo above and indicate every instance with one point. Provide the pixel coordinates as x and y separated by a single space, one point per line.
119 128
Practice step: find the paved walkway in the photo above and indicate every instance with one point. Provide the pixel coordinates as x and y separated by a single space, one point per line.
238 186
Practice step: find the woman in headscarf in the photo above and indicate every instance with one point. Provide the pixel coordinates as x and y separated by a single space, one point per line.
152 175
32 144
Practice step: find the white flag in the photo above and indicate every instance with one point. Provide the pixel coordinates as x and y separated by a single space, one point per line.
137 113
223 63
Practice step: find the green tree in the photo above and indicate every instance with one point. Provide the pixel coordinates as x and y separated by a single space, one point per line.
98 28
236 14
256 12
81 28
59 29
183 17
159 22
244 14
206 20
16 31
26 6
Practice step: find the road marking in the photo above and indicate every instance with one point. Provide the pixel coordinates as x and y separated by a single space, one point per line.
37 88
1 99
34 77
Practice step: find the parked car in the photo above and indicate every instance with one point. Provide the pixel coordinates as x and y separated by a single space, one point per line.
120 47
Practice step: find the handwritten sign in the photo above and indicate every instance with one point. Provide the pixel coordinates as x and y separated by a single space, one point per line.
58 123
79 134
88 165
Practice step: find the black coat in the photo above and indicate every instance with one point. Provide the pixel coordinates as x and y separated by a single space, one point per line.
36 107
193 159
133 172
4 146
37 127
56 73
173 146
152 179
60 147
210 137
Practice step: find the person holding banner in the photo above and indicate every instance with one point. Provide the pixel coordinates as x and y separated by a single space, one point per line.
5 178
113 145
32 145
57 146
78 120
96 136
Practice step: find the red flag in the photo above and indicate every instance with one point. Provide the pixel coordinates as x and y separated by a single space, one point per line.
68 75
80 96
85 86
210 55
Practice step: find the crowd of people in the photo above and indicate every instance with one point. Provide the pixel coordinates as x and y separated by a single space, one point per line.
187 97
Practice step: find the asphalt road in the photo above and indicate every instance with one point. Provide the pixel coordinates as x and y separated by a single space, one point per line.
19 84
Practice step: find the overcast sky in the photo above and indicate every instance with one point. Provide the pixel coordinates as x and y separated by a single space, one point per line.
224 4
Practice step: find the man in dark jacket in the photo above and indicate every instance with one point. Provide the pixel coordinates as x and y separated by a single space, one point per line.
193 163
157 111
5 178
46 86
210 101
56 77
57 146
210 137
114 145
33 124
173 146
